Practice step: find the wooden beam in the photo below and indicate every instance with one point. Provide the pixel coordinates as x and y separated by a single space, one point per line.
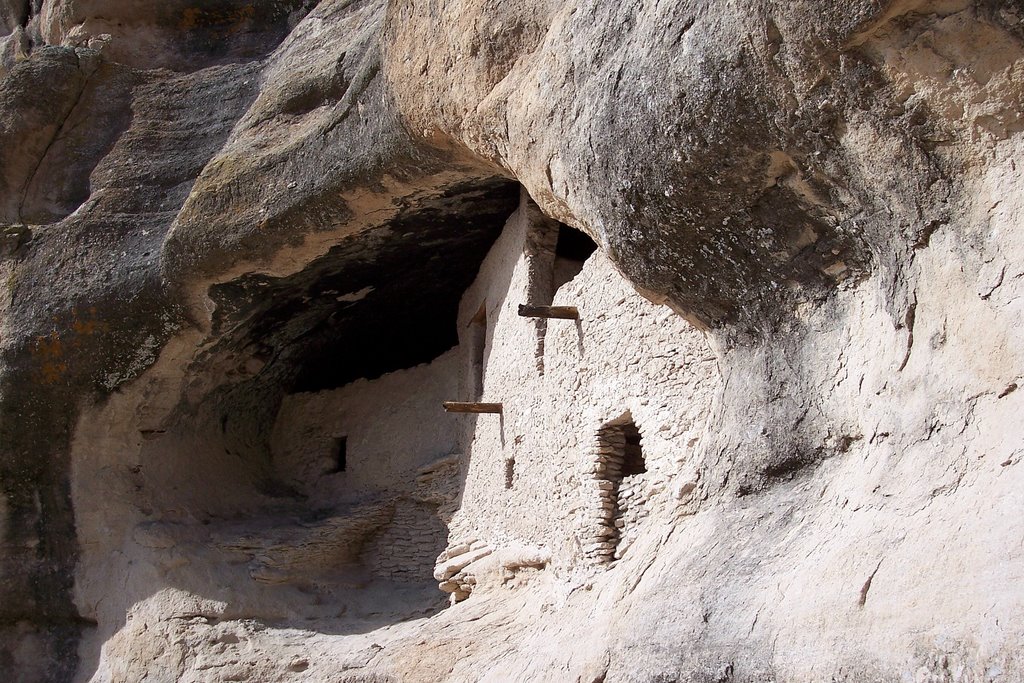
563 312
456 407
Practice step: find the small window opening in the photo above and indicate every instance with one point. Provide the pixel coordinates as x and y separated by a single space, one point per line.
571 252
633 455
478 344
510 472
339 454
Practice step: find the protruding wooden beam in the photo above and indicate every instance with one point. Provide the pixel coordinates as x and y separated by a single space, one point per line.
456 407
563 312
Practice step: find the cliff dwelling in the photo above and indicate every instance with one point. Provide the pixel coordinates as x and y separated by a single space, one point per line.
398 436
360 341
340 491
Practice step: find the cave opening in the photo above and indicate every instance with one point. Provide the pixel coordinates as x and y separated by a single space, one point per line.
381 300
300 449
572 250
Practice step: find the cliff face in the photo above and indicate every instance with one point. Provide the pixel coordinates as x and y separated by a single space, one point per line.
225 222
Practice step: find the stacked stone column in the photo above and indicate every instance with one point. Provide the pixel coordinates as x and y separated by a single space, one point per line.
606 473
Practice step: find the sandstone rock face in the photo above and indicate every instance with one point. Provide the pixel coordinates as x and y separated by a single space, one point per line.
248 249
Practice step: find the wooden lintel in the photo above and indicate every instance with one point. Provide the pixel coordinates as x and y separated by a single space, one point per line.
563 312
456 407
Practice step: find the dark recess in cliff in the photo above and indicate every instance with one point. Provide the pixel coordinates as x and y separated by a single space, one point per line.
381 301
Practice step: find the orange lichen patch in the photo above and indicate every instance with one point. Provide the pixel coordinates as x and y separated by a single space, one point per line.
197 17
85 326
52 352
89 324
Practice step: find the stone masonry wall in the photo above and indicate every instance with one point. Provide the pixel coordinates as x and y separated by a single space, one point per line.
392 426
399 452
408 547
529 472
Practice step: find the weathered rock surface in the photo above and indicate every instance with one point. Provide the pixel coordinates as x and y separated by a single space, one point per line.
228 232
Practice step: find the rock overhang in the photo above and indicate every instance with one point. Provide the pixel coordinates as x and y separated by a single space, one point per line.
378 301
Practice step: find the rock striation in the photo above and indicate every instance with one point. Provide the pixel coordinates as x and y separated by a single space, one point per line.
248 249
